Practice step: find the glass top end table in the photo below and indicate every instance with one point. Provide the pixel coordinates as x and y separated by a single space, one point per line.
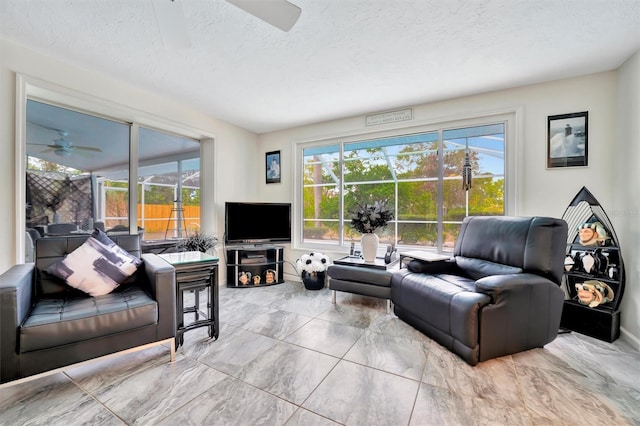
187 257
195 272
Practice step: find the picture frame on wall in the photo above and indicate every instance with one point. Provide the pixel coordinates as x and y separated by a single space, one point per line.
568 140
273 171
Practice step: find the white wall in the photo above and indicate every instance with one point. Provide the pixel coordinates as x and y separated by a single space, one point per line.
625 214
541 191
231 152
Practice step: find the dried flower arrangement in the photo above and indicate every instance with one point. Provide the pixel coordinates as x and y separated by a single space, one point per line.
368 218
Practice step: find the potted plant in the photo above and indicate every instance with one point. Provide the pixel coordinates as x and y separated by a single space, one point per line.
312 269
366 219
198 242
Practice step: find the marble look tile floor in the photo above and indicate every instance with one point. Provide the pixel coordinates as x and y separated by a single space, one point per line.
287 356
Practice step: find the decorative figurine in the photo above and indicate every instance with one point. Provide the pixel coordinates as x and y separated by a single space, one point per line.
592 234
593 293
270 276
568 263
256 279
244 278
589 263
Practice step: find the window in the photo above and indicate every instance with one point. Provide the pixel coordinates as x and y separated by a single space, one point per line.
70 155
420 176
117 131
78 173
169 186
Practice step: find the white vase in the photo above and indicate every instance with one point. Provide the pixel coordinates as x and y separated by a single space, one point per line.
369 244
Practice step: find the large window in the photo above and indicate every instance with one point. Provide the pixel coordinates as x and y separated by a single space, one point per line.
66 147
420 175
78 168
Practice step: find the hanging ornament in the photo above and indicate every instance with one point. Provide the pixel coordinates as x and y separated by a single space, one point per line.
466 171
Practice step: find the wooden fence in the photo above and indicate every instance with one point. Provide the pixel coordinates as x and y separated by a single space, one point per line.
155 218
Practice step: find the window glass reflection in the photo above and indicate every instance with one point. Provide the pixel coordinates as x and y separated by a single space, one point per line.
77 170
168 185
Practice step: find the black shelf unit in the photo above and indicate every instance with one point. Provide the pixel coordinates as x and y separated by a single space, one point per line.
601 321
254 266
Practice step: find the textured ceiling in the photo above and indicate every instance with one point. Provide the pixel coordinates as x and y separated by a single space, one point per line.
342 58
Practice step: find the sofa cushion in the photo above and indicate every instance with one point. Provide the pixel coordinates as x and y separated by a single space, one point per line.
56 322
478 268
379 277
96 268
446 302
535 244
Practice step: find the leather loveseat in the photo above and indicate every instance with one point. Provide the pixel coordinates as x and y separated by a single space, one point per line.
499 294
46 325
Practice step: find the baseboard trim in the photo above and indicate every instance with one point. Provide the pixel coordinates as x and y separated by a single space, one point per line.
291 277
629 338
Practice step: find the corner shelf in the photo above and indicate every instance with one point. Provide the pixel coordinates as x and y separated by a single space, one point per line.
254 266
601 321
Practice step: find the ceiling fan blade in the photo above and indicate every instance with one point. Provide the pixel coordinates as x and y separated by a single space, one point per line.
86 148
70 148
42 126
171 23
279 13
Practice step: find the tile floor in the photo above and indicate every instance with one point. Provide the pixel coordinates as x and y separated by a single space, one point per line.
286 356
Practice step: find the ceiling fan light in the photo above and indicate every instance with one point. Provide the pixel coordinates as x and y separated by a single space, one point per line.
62 152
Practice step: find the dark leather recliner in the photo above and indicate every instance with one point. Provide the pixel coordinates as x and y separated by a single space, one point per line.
46 325
499 294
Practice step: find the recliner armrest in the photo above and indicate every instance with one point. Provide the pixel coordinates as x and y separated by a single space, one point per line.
524 313
501 287
161 277
16 298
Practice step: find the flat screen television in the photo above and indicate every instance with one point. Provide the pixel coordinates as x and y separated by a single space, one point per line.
257 223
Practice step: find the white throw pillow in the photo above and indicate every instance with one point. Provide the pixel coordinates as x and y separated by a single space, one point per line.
95 268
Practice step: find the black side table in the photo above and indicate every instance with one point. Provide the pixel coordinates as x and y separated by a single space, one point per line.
195 271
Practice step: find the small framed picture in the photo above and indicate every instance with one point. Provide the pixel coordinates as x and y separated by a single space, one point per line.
273 171
568 140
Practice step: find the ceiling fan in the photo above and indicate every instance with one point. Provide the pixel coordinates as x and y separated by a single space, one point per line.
173 28
279 13
64 148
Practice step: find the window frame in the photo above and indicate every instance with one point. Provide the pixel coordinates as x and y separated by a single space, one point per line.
512 131
28 87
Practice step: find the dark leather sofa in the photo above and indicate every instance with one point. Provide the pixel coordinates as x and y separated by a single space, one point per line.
499 294
46 325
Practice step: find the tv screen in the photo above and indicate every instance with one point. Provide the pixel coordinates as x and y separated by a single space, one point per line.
257 222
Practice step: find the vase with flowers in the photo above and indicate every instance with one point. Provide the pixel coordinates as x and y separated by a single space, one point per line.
367 219
312 267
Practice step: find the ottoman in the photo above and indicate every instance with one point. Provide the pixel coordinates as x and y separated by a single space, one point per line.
360 280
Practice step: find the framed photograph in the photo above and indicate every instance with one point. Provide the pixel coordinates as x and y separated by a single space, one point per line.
273 167
568 140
